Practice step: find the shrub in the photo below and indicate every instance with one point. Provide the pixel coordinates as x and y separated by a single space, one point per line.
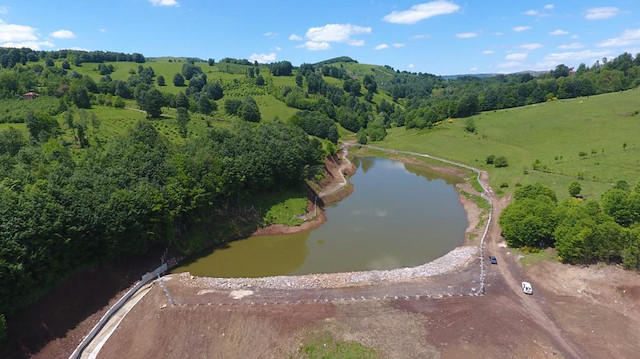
500 162
504 185
574 189
491 159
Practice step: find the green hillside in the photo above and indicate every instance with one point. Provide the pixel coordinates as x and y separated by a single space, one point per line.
555 133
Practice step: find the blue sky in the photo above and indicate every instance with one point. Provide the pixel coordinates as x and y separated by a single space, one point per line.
440 37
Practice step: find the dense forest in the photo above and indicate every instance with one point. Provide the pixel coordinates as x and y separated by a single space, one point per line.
67 203
583 232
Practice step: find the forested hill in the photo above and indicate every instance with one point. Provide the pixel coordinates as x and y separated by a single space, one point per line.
118 152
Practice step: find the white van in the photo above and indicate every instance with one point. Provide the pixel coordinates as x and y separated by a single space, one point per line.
526 288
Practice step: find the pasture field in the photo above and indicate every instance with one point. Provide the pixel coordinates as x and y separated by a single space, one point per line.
593 140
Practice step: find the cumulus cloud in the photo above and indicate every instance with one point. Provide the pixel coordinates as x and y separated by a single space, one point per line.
17 33
164 2
398 45
517 56
63 34
532 13
270 34
529 47
421 12
554 59
33 45
549 6
559 32
521 28
381 47
411 66
629 37
263 58
421 36
342 33
599 13
487 52
571 46
467 35
294 37
315 46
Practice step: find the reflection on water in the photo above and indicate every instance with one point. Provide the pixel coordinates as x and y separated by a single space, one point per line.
398 216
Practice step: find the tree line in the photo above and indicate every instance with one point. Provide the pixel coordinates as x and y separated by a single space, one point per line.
583 232
60 211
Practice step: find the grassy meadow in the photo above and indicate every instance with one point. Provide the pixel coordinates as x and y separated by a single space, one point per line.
578 138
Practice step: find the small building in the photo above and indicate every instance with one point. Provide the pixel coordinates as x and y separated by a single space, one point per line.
30 96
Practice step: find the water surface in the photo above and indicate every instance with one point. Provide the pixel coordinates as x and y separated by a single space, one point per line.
398 216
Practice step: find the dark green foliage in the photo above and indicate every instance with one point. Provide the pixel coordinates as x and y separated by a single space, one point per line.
190 70
490 159
178 80
281 68
361 137
205 106
231 106
151 101
160 81
574 189
259 80
119 103
370 84
181 100
11 141
213 90
65 65
534 191
376 131
468 105
249 110
182 119
500 161
529 222
3 328
470 125
211 62
42 127
79 95
317 124
352 86
336 72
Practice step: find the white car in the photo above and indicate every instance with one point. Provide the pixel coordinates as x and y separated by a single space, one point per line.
526 288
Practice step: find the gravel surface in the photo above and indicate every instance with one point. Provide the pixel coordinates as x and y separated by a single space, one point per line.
453 260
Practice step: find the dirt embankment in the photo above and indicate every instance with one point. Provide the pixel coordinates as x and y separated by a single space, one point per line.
332 188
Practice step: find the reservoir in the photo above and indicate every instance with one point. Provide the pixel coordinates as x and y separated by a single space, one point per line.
400 215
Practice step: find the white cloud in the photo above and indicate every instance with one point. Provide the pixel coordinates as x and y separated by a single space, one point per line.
509 64
164 2
599 13
421 36
33 45
570 57
571 46
629 37
532 13
529 47
294 37
263 58
517 56
17 33
575 36
467 35
315 46
102 30
381 47
521 28
473 69
341 33
278 48
549 6
422 11
77 48
398 45
559 32
270 34
411 66
63 34
487 52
